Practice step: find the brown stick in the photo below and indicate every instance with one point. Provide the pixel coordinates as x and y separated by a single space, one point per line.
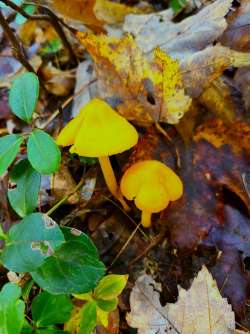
18 51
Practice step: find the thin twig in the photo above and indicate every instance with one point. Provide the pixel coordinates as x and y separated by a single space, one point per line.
52 19
152 244
65 198
124 246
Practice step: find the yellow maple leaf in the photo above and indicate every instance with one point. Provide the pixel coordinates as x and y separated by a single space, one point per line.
149 91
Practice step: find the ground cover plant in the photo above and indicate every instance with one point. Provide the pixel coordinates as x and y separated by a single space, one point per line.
124 167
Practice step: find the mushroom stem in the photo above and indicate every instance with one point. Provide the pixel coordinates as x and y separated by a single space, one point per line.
110 179
146 218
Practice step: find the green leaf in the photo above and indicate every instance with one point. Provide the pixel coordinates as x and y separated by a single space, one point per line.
27 328
9 147
107 305
50 309
23 96
88 318
72 234
43 153
23 198
51 47
11 309
50 330
110 286
30 242
71 269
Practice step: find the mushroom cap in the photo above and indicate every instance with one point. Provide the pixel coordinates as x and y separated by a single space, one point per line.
97 131
151 184
102 132
68 134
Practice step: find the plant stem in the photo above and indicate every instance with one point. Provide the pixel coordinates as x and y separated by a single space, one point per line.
110 179
65 198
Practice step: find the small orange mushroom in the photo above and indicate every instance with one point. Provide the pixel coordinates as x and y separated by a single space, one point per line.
99 131
152 185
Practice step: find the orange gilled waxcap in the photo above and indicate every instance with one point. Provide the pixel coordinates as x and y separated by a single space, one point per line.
151 184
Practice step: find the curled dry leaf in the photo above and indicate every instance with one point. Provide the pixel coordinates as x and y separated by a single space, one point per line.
146 91
199 310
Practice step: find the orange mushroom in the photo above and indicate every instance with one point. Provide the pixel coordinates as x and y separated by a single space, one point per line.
99 131
152 185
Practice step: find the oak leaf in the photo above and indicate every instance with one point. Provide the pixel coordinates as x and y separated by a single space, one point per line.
199 310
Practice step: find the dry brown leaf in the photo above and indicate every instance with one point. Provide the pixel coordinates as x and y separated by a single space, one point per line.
217 99
95 13
79 10
113 12
237 34
199 310
179 40
58 82
62 184
203 67
146 91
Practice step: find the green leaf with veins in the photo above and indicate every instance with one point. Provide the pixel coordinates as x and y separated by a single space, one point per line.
30 242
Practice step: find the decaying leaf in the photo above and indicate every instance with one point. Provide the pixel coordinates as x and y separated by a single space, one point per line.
237 34
144 91
199 310
203 67
183 39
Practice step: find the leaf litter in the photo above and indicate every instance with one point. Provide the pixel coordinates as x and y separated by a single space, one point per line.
161 69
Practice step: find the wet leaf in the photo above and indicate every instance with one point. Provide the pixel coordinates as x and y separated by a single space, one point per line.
30 242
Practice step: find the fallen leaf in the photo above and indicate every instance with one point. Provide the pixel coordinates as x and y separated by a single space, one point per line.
183 39
58 82
201 309
95 13
237 34
217 98
79 10
62 184
146 91
114 13
203 67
